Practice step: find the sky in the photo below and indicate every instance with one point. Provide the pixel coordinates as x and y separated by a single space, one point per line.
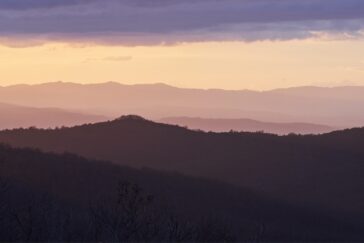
230 44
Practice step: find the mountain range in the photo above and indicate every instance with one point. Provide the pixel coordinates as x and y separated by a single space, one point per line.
339 107
15 116
199 165
320 171
247 125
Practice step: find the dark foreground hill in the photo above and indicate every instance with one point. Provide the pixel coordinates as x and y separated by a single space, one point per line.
48 197
246 125
324 172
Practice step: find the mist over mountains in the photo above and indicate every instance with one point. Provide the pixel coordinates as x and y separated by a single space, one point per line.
246 125
15 116
338 107
267 166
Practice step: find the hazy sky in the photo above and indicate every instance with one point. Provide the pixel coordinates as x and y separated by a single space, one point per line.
232 44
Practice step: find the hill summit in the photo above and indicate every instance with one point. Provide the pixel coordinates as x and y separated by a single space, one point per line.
131 118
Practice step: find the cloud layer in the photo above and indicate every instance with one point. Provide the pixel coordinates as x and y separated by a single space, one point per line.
136 22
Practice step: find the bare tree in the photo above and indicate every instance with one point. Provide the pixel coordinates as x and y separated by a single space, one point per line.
25 223
3 189
41 220
129 219
214 230
179 231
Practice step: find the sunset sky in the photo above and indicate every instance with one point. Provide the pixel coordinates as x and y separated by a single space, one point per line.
232 44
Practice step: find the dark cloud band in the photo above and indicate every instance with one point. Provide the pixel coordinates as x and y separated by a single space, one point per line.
175 20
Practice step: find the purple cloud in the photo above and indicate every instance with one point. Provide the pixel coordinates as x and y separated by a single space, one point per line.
170 21
38 4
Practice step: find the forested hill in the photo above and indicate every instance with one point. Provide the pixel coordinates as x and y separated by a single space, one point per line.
325 171
48 197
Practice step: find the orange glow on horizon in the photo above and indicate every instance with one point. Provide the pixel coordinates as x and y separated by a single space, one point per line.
229 65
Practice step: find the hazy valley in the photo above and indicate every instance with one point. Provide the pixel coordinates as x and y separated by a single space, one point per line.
247 125
15 116
337 107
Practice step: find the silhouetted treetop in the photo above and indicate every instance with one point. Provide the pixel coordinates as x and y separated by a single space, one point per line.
131 118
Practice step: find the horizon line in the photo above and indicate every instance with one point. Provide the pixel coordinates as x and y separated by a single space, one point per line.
177 87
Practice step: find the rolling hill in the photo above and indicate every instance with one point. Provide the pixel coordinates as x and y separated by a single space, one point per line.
246 125
331 106
65 197
15 116
319 171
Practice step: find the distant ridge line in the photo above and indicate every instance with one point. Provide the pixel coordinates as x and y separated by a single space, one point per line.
161 84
